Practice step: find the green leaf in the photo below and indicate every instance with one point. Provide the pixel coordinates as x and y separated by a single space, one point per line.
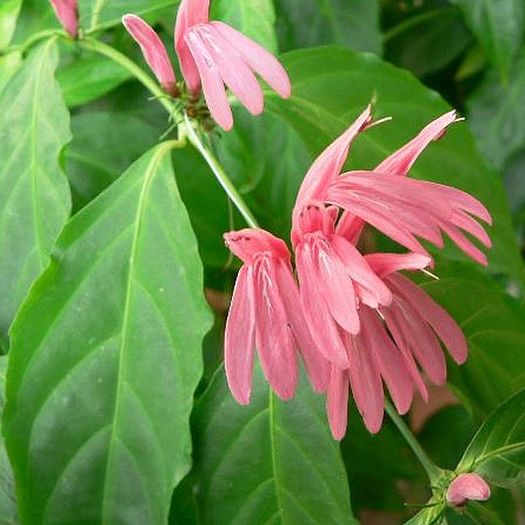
9 65
255 18
101 14
90 77
417 42
8 511
497 451
268 462
9 11
106 356
308 23
104 144
332 85
497 115
35 199
498 26
35 16
494 324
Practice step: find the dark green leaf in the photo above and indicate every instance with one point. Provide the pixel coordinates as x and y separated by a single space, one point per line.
255 18
498 26
417 43
497 115
104 144
332 85
8 16
307 23
494 324
269 462
89 77
35 197
497 451
106 356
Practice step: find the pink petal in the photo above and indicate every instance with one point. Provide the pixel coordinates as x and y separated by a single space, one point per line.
402 160
467 487
350 227
317 367
421 340
336 287
388 359
212 84
327 167
322 326
153 50
437 317
366 384
234 72
384 264
260 60
239 343
67 13
337 402
273 334
250 242
465 245
466 223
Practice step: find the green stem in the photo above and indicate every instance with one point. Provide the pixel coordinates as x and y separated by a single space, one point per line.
156 91
31 41
432 470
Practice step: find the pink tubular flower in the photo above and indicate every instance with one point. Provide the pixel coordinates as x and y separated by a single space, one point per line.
333 275
405 209
394 342
154 51
467 487
67 13
264 314
213 54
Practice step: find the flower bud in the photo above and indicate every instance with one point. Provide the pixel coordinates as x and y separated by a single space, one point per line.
467 487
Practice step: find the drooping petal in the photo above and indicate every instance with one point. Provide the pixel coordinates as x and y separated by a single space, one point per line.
467 487
234 72
403 159
153 49
337 402
273 334
212 84
317 366
239 337
322 326
250 242
67 13
326 168
389 360
384 264
437 317
366 384
259 59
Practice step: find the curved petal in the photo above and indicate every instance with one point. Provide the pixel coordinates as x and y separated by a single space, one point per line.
67 13
384 264
337 402
212 84
239 338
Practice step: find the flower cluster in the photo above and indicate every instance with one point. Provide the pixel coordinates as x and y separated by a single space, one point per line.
355 319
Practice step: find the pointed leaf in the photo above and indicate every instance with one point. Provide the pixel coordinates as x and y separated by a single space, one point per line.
268 462
106 356
8 15
35 199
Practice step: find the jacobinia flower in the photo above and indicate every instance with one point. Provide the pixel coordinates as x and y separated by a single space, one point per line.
394 344
212 54
67 13
265 314
154 51
467 487
405 209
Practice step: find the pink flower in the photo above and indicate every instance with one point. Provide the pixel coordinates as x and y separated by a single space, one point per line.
213 54
264 314
154 51
405 209
67 12
333 275
394 342
467 487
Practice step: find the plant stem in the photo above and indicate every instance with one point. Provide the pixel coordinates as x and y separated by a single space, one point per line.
32 40
432 470
215 166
